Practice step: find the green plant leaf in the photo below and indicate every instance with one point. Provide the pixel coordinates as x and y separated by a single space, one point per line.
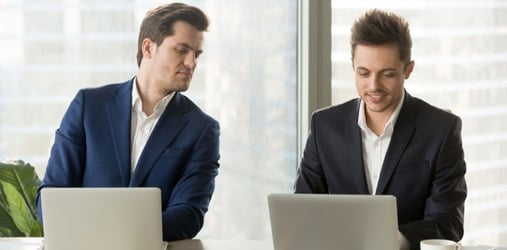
24 178
20 213
36 230
18 190
7 226
5 232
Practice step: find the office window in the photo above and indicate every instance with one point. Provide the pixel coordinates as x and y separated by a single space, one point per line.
246 78
460 53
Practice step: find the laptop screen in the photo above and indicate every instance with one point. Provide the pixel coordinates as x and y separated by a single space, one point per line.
102 218
333 222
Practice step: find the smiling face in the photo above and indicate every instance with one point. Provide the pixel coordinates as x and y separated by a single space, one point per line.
171 64
380 76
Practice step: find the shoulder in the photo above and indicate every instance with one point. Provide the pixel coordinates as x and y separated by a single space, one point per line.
107 91
111 88
191 110
97 97
429 112
341 111
429 118
336 117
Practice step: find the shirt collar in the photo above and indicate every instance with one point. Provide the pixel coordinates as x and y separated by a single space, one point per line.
136 100
389 127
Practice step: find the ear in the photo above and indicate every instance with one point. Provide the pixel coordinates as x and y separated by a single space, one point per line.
148 48
409 69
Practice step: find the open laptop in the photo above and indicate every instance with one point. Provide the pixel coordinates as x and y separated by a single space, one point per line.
337 222
102 218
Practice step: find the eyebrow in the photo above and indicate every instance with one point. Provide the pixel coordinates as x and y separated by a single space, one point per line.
382 70
197 52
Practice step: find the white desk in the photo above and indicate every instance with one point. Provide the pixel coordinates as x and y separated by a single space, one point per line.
35 243
20 243
219 245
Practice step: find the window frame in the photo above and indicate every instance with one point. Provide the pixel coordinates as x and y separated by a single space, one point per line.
314 63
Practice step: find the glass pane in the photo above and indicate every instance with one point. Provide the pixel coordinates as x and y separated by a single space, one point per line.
251 86
460 53
246 79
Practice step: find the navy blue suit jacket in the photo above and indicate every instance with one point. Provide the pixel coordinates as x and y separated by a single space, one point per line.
92 149
423 168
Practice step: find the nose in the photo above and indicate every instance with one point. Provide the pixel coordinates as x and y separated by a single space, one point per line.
374 82
190 60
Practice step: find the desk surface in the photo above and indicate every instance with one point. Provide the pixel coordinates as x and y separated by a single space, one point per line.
20 243
219 245
35 243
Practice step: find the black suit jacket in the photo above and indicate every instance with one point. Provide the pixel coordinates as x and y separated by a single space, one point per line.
423 168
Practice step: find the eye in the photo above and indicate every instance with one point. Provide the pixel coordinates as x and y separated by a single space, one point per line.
181 50
363 73
388 74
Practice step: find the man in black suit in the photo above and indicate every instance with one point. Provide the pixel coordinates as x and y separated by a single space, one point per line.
387 141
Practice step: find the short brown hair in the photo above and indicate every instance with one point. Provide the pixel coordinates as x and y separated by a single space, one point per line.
377 27
158 23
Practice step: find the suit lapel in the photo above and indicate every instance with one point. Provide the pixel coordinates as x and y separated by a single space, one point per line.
119 112
167 128
403 131
353 135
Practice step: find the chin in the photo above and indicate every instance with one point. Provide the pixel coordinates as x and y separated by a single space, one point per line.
183 88
376 108
180 86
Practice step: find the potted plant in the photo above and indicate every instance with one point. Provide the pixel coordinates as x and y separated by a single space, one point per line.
18 189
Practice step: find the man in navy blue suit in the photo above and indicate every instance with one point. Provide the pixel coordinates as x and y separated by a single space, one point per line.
387 141
144 132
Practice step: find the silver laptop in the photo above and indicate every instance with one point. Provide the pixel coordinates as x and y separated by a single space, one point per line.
102 218
337 222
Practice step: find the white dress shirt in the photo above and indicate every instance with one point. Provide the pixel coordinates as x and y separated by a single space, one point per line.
375 147
141 125
374 151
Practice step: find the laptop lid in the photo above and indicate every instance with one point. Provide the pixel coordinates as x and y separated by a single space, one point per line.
337 222
102 218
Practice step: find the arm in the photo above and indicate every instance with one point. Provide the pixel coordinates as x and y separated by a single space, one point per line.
443 215
310 177
184 215
67 156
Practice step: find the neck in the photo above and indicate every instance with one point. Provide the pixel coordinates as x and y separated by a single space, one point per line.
148 93
377 121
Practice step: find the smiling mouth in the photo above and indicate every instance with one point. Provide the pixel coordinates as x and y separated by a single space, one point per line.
376 97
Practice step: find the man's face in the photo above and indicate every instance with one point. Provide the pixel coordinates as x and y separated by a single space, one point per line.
173 61
380 76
